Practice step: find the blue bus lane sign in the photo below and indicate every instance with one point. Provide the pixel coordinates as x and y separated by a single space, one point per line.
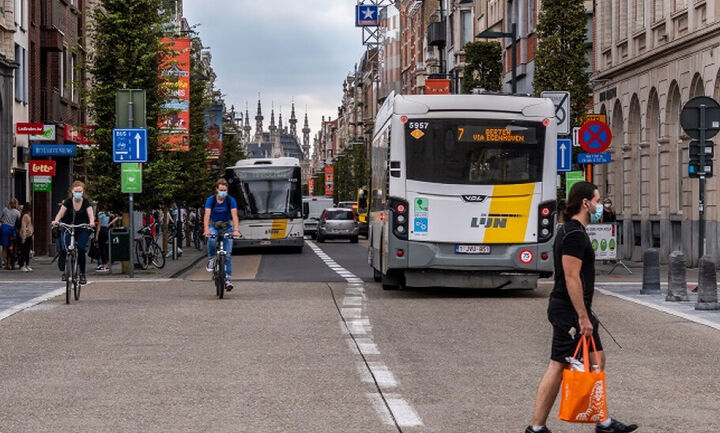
564 154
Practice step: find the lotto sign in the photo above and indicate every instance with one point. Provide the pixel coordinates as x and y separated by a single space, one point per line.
42 168
603 238
526 256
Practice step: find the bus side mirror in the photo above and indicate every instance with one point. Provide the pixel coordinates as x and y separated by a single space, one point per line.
306 210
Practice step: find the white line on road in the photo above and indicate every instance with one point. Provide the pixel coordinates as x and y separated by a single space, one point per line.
20 307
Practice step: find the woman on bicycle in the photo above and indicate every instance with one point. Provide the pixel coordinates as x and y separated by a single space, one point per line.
75 210
220 207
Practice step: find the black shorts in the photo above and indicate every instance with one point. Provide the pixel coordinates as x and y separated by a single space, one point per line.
563 318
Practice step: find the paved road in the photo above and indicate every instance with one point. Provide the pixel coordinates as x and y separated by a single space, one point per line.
308 343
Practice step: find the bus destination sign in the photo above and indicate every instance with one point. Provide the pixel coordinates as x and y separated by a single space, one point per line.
481 134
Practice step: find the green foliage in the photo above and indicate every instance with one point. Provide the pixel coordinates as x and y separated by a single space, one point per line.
319 184
352 170
483 66
560 63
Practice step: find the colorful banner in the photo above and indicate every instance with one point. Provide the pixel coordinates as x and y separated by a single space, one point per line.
175 70
82 135
437 86
311 186
213 131
603 238
329 180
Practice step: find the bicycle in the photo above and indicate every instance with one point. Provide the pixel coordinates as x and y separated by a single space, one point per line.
147 250
72 266
219 274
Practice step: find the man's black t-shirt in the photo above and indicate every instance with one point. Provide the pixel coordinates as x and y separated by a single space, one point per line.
76 217
572 240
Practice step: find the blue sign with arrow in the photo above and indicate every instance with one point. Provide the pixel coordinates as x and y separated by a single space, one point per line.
593 158
564 154
130 145
366 16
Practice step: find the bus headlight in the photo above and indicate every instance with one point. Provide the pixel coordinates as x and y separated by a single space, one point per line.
401 219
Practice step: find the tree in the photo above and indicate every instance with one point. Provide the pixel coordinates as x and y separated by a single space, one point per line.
483 66
561 63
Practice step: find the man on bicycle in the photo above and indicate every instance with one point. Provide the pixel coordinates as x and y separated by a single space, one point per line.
219 208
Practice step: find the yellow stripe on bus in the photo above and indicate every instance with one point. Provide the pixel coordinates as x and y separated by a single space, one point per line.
509 211
279 229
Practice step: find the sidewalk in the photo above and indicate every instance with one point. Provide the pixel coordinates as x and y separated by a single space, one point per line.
44 270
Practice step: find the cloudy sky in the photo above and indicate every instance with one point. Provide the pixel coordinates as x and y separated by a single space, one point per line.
282 49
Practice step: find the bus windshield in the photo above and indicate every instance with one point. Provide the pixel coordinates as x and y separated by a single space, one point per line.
269 193
474 151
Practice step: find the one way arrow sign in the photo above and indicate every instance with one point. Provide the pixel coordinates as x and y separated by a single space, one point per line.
564 154
130 145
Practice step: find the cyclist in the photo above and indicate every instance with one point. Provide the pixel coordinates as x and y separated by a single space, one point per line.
75 210
220 207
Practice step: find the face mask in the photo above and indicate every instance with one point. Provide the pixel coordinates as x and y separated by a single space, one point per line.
595 217
173 212
222 194
608 205
77 195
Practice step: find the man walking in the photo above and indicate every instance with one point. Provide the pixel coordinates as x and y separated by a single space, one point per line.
569 309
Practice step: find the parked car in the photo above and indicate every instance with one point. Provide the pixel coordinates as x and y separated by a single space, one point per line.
338 223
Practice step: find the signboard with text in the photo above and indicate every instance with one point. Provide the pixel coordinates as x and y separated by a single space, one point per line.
42 168
603 238
366 15
47 134
175 71
131 178
213 131
130 145
54 150
329 180
26 128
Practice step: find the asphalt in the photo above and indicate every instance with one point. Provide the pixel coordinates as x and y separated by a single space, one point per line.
282 353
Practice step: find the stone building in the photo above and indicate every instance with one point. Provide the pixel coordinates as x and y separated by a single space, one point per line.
651 57
277 141
7 128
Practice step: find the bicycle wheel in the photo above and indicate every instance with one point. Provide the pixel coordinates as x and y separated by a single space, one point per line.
76 279
140 255
68 277
157 257
220 281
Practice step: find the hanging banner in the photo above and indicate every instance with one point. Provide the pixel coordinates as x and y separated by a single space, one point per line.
437 86
329 180
311 186
213 131
175 71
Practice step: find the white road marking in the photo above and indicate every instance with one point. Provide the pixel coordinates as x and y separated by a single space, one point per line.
404 413
377 401
351 313
383 375
353 300
20 307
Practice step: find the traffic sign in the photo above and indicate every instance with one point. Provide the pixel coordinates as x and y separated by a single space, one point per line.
593 158
131 181
564 154
129 145
571 178
690 117
696 169
595 116
561 100
696 149
575 134
366 16
594 136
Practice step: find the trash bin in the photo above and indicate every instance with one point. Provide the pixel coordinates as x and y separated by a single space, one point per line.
119 244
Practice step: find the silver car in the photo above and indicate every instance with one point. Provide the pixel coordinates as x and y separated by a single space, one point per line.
338 223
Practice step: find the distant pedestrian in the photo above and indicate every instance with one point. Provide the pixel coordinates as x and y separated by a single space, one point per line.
105 221
9 218
569 309
608 212
27 230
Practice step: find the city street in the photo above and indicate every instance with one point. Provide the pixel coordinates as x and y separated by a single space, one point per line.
308 343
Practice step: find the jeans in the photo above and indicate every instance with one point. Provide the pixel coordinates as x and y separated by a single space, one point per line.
25 248
227 245
81 240
103 246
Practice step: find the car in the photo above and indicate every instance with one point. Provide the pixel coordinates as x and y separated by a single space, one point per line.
348 205
338 223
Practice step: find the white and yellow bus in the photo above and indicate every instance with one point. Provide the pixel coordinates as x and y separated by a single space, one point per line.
269 197
463 191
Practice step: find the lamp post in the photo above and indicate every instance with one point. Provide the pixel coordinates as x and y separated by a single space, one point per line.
512 34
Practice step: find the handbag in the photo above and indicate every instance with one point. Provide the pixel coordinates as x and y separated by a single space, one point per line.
93 251
583 398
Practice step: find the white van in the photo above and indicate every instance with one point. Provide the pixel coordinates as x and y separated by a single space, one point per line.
313 208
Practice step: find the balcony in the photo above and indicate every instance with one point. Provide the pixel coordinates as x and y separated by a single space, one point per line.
50 110
51 36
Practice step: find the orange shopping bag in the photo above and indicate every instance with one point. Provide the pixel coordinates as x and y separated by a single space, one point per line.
583 396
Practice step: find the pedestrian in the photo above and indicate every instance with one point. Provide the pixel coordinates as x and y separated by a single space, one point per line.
570 305
105 221
9 218
608 211
76 209
26 237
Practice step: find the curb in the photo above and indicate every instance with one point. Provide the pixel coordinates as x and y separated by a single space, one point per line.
177 274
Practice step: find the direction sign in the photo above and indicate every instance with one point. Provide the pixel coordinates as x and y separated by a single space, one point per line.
593 158
594 136
561 100
129 145
131 181
564 154
366 16
690 117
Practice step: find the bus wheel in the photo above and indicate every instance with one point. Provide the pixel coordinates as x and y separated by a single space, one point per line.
390 281
377 275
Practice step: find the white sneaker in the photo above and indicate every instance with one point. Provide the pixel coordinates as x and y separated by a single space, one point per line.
25 269
29 268
228 284
210 265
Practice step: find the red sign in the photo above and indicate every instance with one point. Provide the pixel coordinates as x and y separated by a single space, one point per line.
329 180
24 128
311 186
437 86
594 136
526 256
175 70
82 135
42 168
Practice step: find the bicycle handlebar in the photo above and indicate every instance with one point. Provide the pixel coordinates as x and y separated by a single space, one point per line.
72 226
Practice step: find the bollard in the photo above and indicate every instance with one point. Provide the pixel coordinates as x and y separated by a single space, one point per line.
651 272
707 286
677 278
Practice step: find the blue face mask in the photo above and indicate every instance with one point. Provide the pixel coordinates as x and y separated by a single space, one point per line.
595 217
222 194
77 195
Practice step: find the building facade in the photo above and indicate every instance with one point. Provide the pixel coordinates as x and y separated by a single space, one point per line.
7 127
278 141
651 57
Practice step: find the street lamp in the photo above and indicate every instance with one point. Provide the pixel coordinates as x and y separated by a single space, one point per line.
492 34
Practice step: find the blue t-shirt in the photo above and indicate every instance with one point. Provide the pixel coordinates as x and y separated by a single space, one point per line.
220 212
104 219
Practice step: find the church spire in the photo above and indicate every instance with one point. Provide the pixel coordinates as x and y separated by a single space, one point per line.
280 125
293 120
272 126
306 137
259 121
247 127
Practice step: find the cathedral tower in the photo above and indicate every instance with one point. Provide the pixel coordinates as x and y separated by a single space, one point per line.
306 137
259 123
293 121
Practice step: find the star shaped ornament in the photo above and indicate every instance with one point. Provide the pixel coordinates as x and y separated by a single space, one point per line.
368 14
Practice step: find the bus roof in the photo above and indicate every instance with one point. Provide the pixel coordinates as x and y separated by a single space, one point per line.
264 162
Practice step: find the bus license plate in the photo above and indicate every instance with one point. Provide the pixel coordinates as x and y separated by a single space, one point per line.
265 243
472 249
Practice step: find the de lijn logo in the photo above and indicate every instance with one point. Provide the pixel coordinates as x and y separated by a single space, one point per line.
492 220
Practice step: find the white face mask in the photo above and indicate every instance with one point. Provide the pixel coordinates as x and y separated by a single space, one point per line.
608 205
